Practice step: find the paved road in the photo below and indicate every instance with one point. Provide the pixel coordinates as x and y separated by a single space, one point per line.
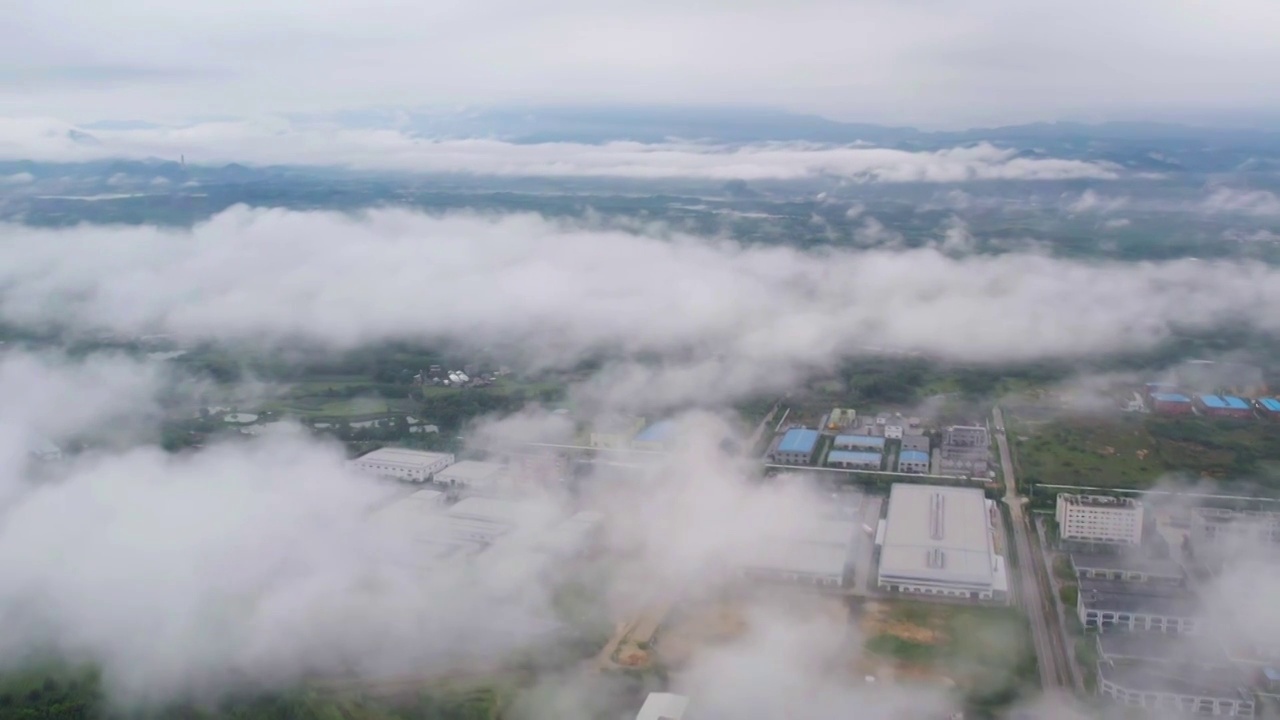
1033 579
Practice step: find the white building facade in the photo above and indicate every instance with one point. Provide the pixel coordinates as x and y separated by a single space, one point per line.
1100 519
1174 696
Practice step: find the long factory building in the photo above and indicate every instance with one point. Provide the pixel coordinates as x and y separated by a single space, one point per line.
940 541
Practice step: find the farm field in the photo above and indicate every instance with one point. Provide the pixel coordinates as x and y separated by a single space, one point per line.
1134 451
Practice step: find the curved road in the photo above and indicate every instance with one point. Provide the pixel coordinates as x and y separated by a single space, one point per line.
1034 587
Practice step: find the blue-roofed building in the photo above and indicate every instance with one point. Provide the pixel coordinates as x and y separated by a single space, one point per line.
913 461
1270 408
850 460
1224 406
858 442
656 437
796 447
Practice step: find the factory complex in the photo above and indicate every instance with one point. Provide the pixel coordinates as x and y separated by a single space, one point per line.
884 443
1159 647
1171 399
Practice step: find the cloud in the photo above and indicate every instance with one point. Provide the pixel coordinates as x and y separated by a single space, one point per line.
560 291
238 566
253 565
872 233
22 178
921 62
956 238
280 142
1260 203
1090 201
51 398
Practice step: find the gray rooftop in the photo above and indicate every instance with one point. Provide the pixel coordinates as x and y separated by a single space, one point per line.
1125 562
1131 597
404 456
1145 678
1160 648
915 442
938 534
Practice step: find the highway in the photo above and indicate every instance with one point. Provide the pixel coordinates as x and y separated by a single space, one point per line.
1033 582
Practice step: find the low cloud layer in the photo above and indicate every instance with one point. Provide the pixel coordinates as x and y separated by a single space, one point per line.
563 290
1258 203
252 565
279 142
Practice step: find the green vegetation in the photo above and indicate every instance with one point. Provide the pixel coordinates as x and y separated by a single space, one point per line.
60 693
1062 569
1133 451
986 651
1087 660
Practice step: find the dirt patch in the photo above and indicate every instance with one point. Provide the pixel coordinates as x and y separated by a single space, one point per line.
912 633
877 620
696 627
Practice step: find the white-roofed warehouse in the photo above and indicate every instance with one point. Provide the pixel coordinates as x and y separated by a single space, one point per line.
939 541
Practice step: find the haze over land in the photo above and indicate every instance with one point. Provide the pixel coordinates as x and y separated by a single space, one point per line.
242 243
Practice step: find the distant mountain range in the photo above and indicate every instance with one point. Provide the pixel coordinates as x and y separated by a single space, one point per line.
1138 146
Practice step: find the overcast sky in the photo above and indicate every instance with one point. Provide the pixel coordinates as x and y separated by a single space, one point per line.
912 61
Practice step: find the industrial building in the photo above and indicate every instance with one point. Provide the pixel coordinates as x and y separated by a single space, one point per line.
474 524
663 706
966 450
893 432
850 460
813 553
858 442
841 418
573 535
1173 692
1108 566
474 475
402 463
1218 533
915 441
1171 403
1269 408
940 541
796 447
1224 406
913 461
1099 519
656 438
1114 605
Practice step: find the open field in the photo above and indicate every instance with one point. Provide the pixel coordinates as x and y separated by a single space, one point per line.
985 652
1133 451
